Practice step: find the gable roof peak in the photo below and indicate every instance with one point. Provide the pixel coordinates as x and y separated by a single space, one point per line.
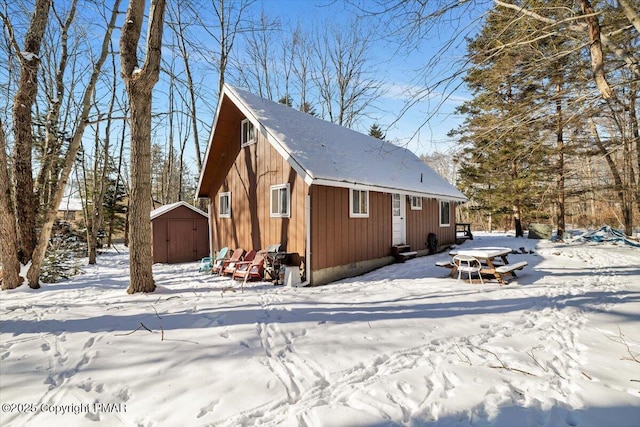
325 153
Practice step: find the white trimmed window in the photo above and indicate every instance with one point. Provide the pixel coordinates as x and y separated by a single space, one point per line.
248 133
358 203
224 205
445 214
416 203
280 201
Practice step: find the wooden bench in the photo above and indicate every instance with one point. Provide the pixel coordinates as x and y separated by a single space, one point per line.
509 269
463 232
447 264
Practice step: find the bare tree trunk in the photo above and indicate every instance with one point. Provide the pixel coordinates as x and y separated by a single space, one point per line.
617 177
26 206
100 178
517 221
9 241
597 58
112 215
630 13
52 209
184 52
560 214
635 133
48 174
139 83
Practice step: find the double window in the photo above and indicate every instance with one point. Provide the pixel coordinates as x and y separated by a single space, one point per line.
280 201
224 205
444 214
358 203
248 133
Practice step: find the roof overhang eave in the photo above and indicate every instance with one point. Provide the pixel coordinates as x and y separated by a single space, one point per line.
386 189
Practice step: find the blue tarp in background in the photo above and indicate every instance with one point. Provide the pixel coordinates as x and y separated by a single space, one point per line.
607 234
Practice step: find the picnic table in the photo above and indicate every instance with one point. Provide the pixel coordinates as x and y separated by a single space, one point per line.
494 259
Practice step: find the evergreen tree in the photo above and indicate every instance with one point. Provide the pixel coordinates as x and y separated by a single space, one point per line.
503 155
376 132
286 100
306 107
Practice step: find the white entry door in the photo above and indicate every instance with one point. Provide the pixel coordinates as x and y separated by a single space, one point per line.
398 226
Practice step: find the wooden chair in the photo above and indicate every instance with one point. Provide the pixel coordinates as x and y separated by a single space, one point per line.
230 266
220 257
467 264
235 257
246 270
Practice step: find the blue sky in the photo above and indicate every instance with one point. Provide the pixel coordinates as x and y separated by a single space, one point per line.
425 125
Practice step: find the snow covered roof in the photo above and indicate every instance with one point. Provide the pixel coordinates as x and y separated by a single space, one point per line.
70 204
324 153
166 208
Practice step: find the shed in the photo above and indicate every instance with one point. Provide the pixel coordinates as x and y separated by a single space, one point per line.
180 233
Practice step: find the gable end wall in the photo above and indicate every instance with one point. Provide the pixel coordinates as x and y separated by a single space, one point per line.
256 168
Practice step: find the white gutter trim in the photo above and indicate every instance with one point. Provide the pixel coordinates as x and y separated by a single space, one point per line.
381 189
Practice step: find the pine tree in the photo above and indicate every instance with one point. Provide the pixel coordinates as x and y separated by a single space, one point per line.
376 132
503 154
286 100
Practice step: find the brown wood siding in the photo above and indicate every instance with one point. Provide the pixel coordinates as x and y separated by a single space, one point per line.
180 235
338 239
422 222
256 168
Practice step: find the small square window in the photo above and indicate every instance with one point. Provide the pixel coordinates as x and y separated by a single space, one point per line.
248 135
416 203
358 203
280 201
444 214
224 205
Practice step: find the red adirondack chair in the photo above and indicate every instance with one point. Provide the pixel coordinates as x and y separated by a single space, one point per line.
235 257
230 267
246 270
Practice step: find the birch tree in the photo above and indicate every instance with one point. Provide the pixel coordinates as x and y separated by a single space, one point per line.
344 76
139 82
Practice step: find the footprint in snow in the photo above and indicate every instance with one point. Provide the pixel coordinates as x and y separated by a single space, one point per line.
89 343
45 347
404 387
86 385
123 394
206 409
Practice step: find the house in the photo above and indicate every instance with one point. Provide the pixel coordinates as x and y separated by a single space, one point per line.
338 198
70 209
179 233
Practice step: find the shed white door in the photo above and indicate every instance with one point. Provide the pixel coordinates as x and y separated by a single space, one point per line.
398 226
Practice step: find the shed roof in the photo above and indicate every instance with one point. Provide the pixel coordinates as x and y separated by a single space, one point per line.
171 206
324 153
70 204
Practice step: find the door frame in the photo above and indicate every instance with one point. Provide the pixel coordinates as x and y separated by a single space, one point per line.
398 221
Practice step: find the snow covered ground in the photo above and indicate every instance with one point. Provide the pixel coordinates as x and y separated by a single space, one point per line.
403 345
